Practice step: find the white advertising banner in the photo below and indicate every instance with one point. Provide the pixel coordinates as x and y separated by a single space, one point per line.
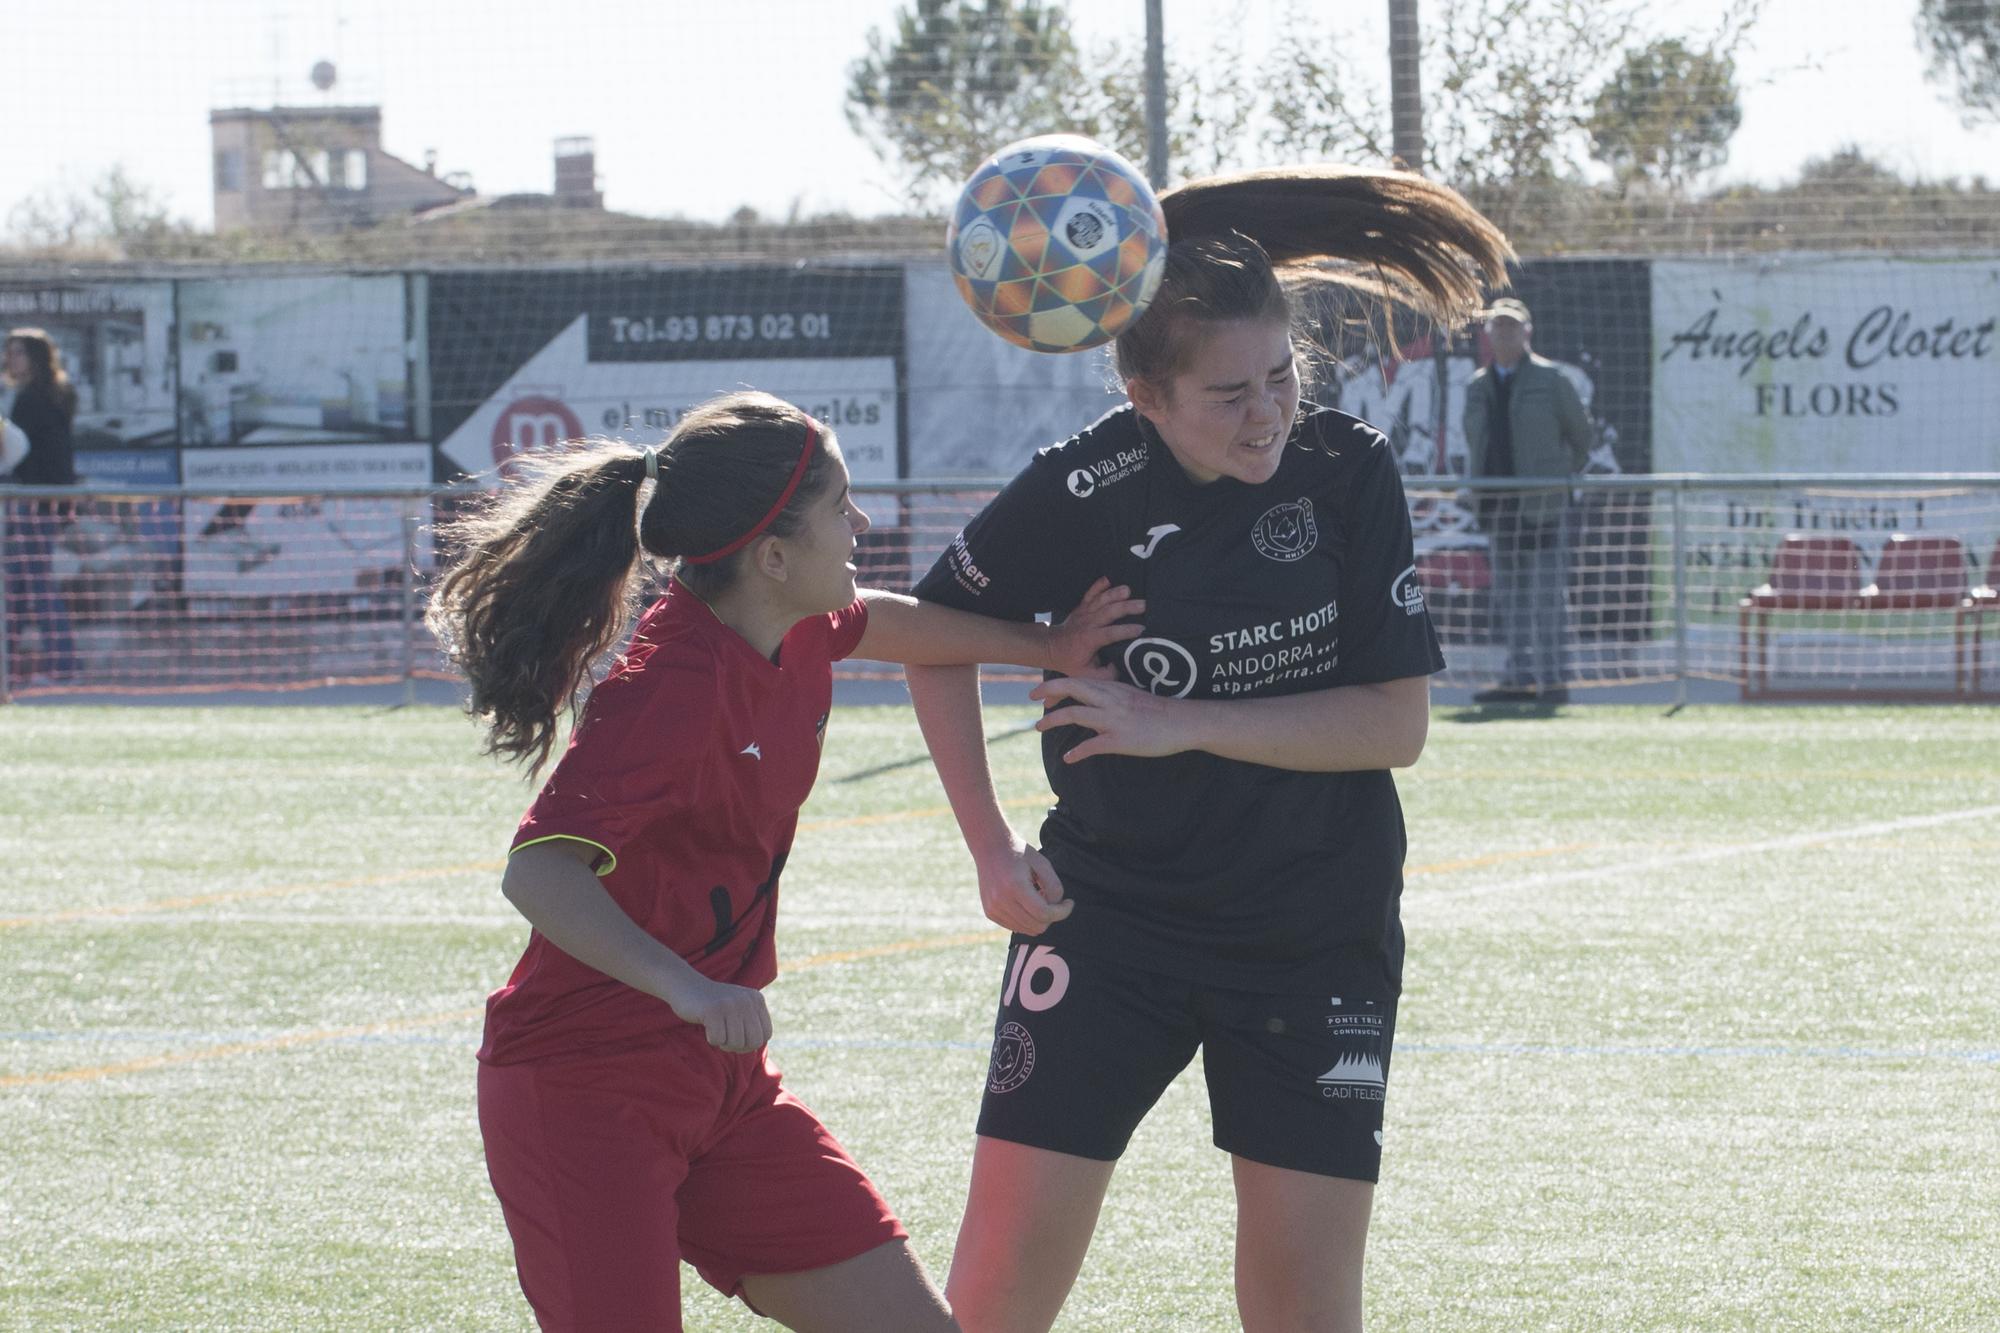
563 392
979 405
316 542
1783 364
318 359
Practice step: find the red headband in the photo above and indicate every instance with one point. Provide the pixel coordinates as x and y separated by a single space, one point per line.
784 498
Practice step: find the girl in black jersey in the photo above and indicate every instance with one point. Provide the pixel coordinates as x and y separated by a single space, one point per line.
1222 866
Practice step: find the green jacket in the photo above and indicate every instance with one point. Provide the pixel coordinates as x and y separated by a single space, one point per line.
1551 431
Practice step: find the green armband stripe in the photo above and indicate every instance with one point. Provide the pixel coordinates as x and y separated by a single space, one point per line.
611 857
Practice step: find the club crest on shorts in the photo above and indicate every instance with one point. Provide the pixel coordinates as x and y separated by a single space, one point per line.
1286 532
1013 1058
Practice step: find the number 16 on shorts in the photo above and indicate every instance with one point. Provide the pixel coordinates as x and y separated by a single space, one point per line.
1038 977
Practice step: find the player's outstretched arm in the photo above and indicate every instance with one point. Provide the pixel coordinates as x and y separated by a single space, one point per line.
1348 728
903 629
551 883
1017 886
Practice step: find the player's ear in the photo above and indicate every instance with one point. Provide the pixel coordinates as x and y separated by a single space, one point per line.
1146 397
767 558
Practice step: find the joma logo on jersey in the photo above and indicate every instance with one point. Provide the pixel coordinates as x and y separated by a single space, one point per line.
1407 592
1286 532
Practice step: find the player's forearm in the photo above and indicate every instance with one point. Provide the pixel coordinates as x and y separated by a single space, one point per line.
1351 728
903 629
946 699
563 899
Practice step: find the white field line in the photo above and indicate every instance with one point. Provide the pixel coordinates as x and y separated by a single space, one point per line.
1645 864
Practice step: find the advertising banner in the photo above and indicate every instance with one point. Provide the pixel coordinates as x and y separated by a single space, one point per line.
1784 364
115 343
979 405
317 543
310 359
521 360
1591 318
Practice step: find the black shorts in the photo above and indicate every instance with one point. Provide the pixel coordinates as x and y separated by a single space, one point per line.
1084 1046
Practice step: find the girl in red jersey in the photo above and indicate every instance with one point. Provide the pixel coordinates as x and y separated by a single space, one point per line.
630 1114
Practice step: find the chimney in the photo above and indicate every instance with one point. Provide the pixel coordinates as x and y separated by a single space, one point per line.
576 173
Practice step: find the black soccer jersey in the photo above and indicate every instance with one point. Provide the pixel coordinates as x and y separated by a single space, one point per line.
1221 871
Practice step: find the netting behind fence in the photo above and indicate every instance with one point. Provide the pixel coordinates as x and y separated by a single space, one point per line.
1842 589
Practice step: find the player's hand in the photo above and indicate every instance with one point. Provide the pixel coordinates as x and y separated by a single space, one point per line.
1019 889
1073 644
1127 720
735 1018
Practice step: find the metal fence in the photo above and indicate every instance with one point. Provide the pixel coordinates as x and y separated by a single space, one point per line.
1860 587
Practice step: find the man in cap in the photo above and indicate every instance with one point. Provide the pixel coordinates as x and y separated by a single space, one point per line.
1523 419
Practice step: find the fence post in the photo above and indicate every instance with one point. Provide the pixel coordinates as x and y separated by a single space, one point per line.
6 614
409 604
1680 599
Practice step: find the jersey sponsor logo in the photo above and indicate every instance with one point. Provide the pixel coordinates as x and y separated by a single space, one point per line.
1286 532
1087 480
1032 963
1160 666
1357 1073
1153 537
964 572
1013 1058
752 750
1407 593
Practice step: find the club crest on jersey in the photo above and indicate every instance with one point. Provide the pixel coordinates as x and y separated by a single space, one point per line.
1286 532
1407 592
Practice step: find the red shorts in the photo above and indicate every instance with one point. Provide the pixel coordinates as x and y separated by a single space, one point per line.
612 1169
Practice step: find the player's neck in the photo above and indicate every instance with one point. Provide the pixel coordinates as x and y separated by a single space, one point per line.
743 608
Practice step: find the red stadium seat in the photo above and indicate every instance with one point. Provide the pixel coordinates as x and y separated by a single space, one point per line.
1917 574
1809 573
1454 571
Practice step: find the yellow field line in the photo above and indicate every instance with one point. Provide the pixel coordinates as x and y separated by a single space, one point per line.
293 1039
406 876
241 895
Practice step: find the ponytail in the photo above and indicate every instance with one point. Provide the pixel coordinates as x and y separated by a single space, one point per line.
1236 242
547 574
542 587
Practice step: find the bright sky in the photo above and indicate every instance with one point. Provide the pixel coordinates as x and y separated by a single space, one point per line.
698 106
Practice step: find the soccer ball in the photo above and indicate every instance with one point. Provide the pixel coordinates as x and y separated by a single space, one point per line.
1057 243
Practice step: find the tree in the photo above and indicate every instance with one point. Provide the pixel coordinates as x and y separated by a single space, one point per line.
114 210
1962 39
958 79
1667 115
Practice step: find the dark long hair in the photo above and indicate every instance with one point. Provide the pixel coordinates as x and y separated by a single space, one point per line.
1237 242
45 367
545 579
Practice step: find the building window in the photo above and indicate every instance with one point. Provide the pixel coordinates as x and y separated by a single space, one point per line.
354 169
229 169
288 170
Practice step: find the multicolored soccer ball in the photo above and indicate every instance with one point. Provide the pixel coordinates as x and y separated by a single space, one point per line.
1057 243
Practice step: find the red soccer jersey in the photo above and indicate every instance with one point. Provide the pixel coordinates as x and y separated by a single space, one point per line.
687 771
